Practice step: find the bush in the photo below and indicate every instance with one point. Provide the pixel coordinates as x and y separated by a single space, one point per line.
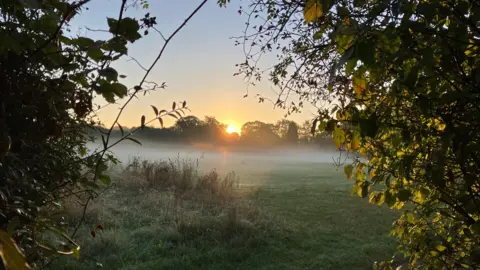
179 175
49 80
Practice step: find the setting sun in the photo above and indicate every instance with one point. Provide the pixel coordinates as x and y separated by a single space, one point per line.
232 128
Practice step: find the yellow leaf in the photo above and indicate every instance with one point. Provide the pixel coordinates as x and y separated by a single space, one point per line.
338 137
355 143
398 205
312 11
441 248
11 255
348 169
372 173
377 197
418 197
76 253
343 115
359 85
348 146
360 174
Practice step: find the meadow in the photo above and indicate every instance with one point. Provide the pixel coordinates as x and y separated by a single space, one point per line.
275 211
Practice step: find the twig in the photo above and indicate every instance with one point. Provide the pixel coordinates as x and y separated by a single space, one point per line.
170 38
158 31
138 63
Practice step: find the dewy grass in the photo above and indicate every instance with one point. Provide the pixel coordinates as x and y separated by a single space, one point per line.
167 215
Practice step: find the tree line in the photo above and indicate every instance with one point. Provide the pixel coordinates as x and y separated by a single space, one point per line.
191 129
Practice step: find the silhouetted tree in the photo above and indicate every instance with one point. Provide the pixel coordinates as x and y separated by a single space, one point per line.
292 133
259 133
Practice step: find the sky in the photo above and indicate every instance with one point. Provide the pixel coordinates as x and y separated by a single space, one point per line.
197 65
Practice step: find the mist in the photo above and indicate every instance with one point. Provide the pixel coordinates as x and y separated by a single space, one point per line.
251 165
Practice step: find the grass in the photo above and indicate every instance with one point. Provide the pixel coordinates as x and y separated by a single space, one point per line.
167 215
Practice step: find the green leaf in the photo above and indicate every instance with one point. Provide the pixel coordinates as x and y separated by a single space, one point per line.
33 4
96 54
426 10
83 42
362 189
412 77
345 57
348 169
109 73
318 35
322 126
101 167
127 27
105 179
365 51
112 24
338 137
83 151
359 83
119 89
133 140
404 195
155 110
117 44
368 127
428 56
13 225
314 126
351 64
109 97
390 199
173 115
121 128
344 41
142 121
343 11
76 253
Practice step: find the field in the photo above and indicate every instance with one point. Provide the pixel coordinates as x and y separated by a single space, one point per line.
290 215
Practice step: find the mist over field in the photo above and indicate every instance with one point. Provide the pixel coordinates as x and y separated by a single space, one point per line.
251 165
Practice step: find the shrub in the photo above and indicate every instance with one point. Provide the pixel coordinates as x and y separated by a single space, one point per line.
49 80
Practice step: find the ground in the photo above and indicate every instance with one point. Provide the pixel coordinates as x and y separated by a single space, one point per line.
296 216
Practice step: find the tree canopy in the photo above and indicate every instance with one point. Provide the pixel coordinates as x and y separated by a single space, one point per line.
399 82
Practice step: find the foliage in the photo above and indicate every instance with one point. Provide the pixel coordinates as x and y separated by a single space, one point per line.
49 80
399 80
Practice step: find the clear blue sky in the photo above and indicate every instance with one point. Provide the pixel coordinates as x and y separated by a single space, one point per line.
198 64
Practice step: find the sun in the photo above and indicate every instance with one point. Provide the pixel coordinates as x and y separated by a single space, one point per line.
232 128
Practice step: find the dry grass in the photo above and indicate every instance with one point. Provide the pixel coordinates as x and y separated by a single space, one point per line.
185 201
